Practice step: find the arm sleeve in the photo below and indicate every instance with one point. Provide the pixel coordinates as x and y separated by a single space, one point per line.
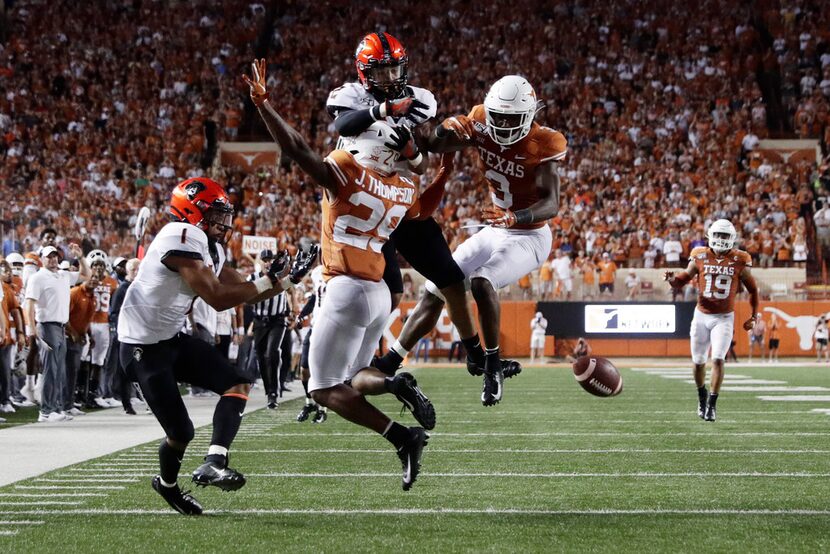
353 122
309 306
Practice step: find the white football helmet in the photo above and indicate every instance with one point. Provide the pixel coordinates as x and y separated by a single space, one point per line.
370 150
15 260
95 256
510 106
722 236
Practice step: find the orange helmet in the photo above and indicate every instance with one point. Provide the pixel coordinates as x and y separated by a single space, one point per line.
193 198
381 62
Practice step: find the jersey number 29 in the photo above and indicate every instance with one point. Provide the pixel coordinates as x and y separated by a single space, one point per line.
381 221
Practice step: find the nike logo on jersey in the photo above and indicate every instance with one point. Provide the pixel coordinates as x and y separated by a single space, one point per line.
519 157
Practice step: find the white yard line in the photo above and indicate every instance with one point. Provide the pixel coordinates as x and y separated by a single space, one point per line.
69 487
42 503
796 398
551 475
440 511
51 494
534 451
97 480
20 522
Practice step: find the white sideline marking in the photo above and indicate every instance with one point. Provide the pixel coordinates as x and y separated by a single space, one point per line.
21 522
115 471
728 381
41 503
8 533
796 398
52 494
736 388
428 511
552 475
822 410
584 433
72 487
101 479
535 451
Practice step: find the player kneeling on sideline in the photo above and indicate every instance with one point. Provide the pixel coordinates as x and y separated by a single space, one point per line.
184 261
719 268
363 202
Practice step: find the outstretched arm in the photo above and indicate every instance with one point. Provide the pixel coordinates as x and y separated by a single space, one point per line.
455 133
292 142
682 278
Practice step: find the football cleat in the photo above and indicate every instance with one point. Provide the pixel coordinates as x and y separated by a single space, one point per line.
179 500
493 387
306 411
701 406
710 413
410 455
509 368
272 402
321 416
405 388
225 478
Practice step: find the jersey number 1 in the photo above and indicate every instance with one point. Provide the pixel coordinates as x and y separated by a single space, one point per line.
381 221
722 284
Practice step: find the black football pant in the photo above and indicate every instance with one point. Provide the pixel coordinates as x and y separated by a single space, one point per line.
268 339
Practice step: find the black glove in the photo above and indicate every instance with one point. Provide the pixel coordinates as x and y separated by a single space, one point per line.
407 107
278 265
303 264
402 142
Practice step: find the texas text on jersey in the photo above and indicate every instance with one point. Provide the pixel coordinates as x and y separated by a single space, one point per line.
157 302
357 223
511 170
718 278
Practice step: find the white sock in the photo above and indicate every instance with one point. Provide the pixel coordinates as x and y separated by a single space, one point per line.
165 484
401 351
216 449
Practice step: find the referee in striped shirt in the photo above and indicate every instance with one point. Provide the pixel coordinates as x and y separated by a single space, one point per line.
269 329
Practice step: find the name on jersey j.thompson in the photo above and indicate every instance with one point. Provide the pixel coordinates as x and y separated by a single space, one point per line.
373 185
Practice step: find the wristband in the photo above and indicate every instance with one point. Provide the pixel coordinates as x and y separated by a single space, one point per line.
416 161
286 283
263 284
378 112
240 330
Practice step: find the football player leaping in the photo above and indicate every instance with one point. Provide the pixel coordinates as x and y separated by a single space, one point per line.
517 157
364 201
718 269
185 260
384 94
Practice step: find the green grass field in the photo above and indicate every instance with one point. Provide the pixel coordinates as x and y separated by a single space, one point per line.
550 469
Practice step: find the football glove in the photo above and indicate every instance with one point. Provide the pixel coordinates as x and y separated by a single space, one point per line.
407 107
403 142
498 217
303 264
461 125
279 266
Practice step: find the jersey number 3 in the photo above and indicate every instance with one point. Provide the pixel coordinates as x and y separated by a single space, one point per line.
380 223
721 284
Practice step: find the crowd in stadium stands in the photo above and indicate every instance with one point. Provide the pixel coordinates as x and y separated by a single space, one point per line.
663 104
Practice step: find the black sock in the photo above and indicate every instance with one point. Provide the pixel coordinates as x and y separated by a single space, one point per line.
474 350
397 434
226 420
701 392
713 399
389 384
170 461
305 388
492 363
392 358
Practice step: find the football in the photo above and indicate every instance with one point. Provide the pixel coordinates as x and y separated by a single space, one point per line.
598 376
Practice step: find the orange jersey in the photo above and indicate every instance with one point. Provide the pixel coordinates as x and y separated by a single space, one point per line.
82 304
511 170
103 294
607 272
357 223
718 278
9 304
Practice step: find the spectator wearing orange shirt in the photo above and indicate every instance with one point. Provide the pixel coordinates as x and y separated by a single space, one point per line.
545 281
11 317
607 274
589 278
82 308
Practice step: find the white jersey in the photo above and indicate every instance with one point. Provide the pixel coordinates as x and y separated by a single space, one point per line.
318 290
562 267
157 303
352 96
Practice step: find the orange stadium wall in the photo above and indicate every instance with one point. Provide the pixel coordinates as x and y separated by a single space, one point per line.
796 320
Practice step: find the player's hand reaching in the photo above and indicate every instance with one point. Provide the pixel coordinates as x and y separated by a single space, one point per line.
259 90
407 107
749 324
668 276
497 217
303 264
76 251
403 142
460 125
279 266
